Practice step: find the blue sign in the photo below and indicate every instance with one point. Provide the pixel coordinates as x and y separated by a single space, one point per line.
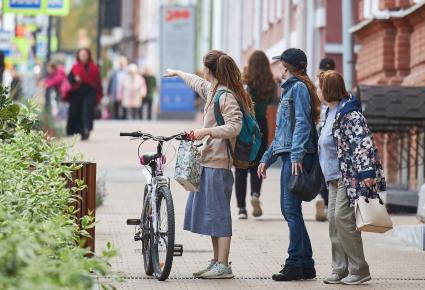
57 4
176 96
25 4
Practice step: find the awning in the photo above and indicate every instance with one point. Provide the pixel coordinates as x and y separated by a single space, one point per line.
393 108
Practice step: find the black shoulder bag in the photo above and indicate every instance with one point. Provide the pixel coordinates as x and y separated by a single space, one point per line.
307 185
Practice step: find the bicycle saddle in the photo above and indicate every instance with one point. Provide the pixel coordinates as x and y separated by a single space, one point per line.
147 158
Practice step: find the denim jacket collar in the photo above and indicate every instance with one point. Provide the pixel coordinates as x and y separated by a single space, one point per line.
289 82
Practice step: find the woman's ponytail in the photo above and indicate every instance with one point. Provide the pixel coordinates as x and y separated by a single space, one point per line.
229 75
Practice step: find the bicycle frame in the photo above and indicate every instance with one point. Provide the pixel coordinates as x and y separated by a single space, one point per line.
155 179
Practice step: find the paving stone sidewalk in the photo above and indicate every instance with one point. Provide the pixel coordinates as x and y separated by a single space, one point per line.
258 245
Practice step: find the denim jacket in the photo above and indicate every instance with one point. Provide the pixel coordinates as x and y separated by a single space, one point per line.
294 132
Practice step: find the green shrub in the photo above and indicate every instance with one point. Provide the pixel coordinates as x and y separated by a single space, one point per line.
40 241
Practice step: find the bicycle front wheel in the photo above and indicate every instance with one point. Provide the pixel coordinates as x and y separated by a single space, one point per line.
163 243
146 227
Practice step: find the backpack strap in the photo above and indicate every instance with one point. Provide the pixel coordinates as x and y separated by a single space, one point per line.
219 118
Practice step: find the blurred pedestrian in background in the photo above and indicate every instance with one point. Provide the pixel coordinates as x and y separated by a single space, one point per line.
322 204
114 85
57 79
352 168
150 81
16 91
261 87
2 66
132 92
85 93
295 142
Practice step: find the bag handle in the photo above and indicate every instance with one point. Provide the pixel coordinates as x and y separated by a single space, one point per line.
375 191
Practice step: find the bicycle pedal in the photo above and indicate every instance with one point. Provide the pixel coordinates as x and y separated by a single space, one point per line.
133 222
178 250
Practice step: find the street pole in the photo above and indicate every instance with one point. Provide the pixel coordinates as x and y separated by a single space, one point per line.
347 43
49 39
99 33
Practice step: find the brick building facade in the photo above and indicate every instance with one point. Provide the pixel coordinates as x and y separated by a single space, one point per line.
392 38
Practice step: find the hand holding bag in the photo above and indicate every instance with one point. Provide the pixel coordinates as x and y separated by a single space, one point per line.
371 215
307 184
188 166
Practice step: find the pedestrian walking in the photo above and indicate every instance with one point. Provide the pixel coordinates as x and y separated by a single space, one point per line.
132 92
322 204
299 108
2 66
56 79
208 211
261 87
150 81
351 167
85 93
16 89
114 84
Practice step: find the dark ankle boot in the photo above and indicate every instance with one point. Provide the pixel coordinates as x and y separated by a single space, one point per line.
309 273
289 273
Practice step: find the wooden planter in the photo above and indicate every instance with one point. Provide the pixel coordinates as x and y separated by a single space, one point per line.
86 199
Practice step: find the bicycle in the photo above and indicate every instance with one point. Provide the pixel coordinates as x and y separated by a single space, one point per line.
156 226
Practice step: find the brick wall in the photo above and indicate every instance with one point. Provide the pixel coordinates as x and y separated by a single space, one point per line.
375 60
393 52
417 50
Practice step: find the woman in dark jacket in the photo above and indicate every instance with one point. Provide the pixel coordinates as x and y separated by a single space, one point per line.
261 87
351 167
85 93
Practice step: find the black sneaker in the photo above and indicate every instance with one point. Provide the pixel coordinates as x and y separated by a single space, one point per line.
289 273
242 215
309 273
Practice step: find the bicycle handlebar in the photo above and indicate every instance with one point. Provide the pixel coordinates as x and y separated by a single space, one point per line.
145 136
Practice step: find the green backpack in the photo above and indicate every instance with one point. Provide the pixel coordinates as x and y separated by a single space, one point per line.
248 142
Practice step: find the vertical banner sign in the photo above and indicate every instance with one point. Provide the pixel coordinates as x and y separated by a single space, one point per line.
177 51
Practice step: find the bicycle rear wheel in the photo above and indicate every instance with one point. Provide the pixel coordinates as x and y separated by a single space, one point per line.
163 244
146 227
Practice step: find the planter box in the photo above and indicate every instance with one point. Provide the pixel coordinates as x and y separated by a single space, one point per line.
86 199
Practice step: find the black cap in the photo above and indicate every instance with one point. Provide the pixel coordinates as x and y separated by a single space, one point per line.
327 64
294 57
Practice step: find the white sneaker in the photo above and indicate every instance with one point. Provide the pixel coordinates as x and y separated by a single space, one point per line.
199 273
255 202
355 279
334 278
218 271
242 215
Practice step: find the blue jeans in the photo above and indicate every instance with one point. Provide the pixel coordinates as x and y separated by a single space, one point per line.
299 251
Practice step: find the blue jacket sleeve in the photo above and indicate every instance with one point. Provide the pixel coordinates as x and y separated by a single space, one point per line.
302 127
268 157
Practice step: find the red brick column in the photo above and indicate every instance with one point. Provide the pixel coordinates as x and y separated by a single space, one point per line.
375 63
417 49
402 50
387 4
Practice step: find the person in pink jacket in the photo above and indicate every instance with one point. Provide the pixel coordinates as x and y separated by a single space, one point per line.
57 79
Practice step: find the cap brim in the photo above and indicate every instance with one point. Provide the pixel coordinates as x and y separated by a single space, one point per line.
276 57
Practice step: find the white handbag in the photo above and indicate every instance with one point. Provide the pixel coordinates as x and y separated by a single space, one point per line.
371 215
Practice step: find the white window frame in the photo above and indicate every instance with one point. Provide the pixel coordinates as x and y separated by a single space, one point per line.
279 12
264 16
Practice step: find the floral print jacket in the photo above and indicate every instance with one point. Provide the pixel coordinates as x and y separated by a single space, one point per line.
356 150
